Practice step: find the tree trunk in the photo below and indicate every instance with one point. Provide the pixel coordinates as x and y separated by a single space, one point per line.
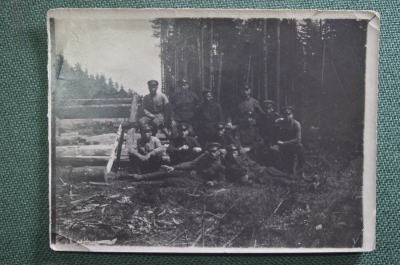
202 55
162 58
219 75
211 55
200 68
184 57
265 74
248 68
278 68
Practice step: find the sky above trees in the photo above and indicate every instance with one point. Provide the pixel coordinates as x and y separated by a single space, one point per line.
124 50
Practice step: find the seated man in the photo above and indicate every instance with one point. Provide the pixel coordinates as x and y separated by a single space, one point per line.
185 105
224 139
239 168
208 167
155 108
289 143
145 153
210 113
248 133
183 148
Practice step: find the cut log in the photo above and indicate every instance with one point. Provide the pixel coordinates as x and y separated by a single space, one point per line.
93 111
96 173
85 150
81 161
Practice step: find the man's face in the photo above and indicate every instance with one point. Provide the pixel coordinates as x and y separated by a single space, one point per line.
214 153
221 131
235 153
153 88
288 114
247 92
249 119
209 97
270 109
185 86
146 134
183 133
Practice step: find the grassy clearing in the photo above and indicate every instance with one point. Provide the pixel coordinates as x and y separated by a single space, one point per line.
268 215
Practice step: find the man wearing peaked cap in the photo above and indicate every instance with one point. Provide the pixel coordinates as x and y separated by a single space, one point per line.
183 148
289 143
247 104
185 105
224 139
209 114
145 153
156 108
268 130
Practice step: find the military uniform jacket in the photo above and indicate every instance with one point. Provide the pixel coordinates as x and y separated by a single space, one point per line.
209 114
224 140
180 156
184 104
139 146
249 136
206 167
268 127
237 168
289 132
241 166
157 104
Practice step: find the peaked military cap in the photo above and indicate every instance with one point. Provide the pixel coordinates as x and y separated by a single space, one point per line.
232 148
183 126
246 86
269 102
155 82
213 146
289 108
205 92
182 82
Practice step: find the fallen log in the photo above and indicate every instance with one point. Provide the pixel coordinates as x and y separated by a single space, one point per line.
81 161
88 174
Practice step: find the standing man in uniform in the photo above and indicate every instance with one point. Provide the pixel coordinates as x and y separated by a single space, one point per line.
268 130
248 104
248 133
289 143
210 113
183 148
185 105
156 109
145 153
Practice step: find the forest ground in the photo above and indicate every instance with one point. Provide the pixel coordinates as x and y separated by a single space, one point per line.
325 213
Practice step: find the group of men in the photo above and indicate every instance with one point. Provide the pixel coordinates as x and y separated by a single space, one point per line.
254 144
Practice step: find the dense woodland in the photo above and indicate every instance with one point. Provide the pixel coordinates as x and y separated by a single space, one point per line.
317 66
78 83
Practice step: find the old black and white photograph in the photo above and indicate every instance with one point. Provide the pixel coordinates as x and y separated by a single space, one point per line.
212 131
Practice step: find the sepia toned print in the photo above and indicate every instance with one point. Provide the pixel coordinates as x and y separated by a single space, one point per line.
212 131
